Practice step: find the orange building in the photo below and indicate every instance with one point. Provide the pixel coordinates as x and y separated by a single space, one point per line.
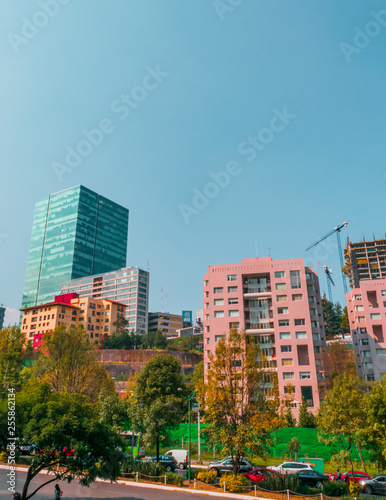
97 316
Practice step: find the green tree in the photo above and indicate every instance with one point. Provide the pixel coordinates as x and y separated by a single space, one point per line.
307 419
236 405
332 321
197 376
294 448
68 363
74 443
344 322
157 405
338 359
342 415
14 351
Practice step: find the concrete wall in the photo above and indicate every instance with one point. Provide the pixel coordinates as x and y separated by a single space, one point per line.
122 362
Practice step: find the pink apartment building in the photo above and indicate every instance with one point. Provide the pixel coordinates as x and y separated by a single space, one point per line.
366 307
278 302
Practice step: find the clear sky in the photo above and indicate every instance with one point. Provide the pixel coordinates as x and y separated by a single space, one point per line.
287 97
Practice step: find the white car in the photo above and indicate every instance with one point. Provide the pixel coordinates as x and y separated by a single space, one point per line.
290 467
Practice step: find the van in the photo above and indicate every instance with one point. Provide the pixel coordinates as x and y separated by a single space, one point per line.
181 457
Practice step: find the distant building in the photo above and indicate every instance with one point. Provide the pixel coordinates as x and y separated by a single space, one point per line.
365 261
129 285
75 233
278 303
167 323
95 315
2 315
366 305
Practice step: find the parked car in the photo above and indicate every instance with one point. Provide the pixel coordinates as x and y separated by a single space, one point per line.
376 484
347 476
181 457
312 478
258 475
167 461
290 467
226 465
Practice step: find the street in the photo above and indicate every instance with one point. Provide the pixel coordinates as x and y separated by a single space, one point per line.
72 491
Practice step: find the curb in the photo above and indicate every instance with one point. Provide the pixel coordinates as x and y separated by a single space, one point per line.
152 486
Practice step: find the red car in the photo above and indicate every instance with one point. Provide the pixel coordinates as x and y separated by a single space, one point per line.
347 476
259 475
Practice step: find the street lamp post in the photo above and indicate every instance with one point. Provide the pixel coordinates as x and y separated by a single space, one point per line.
189 398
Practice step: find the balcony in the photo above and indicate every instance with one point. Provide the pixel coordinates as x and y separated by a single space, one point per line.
259 328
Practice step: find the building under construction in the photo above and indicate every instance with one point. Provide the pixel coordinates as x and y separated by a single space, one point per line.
365 261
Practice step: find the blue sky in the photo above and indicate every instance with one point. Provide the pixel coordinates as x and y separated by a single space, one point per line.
224 69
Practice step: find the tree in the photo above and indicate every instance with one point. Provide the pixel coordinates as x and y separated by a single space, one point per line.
197 376
72 440
342 415
338 360
344 322
68 363
157 405
294 448
306 419
14 350
332 321
373 431
236 405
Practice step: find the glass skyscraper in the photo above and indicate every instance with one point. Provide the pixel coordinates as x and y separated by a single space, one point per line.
75 233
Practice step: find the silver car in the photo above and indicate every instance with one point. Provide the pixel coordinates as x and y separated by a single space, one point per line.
290 467
376 484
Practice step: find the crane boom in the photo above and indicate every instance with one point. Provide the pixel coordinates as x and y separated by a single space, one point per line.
336 229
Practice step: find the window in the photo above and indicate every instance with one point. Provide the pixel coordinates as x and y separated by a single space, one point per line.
366 354
301 335
303 375
232 277
234 300
364 342
367 366
295 279
281 286
287 362
375 316
300 322
208 340
313 312
310 288
359 308
218 289
206 317
381 352
218 302
315 324
357 297
219 314
383 292
282 310
206 294
315 336
288 375
283 322
286 348
234 324
285 336
206 283
361 319
297 296
207 305
207 329
279 274
217 338
232 289
308 276
281 298
234 313
311 300
316 349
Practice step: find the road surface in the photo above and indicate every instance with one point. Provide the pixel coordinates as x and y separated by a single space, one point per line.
105 491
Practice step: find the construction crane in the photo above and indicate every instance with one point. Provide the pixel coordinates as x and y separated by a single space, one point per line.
336 230
329 281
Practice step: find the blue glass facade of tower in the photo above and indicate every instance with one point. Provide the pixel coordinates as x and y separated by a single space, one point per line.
75 233
2 315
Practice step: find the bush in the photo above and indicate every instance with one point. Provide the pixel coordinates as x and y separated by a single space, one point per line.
280 483
354 488
3 457
207 476
174 479
194 473
335 488
233 483
145 468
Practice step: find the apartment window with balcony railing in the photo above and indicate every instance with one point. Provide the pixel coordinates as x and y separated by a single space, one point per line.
295 279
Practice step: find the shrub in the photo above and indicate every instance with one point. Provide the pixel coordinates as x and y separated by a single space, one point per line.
233 483
354 488
335 488
280 483
3 457
145 468
207 476
174 479
194 473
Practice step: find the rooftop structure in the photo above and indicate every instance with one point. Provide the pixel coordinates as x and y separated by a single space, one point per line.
365 260
167 323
